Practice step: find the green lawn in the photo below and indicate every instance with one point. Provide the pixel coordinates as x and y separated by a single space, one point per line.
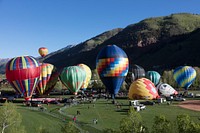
33 119
108 115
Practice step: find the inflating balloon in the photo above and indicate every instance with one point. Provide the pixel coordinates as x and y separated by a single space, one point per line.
166 90
46 71
153 76
112 66
73 77
88 75
184 76
137 72
143 89
23 73
53 80
43 51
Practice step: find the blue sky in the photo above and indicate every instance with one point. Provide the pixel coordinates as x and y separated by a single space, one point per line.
26 25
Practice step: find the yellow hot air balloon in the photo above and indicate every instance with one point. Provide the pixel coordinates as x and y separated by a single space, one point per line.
143 89
43 51
88 75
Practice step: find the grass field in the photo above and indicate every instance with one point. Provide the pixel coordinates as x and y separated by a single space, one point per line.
108 115
33 119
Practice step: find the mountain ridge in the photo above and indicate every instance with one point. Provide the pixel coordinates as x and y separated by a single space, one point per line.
154 43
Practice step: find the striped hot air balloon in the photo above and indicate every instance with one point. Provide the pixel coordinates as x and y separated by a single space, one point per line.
153 76
52 81
112 66
88 75
137 72
142 89
46 71
23 73
73 77
43 51
184 76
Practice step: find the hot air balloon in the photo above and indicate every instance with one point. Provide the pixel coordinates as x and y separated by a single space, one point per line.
184 76
88 75
112 66
166 90
137 72
23 73
142 89
153 76
46 71
52 81
43 51
73 77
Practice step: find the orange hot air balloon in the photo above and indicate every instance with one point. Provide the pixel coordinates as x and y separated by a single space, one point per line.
43 51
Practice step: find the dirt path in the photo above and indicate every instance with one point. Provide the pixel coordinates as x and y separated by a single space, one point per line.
191 104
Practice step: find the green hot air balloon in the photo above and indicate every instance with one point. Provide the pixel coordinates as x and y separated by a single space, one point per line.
153 76
73 77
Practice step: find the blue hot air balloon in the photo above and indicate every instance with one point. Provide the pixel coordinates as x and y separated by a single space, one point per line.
184 76
112 66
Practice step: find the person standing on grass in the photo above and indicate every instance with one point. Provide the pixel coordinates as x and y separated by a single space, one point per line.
74 118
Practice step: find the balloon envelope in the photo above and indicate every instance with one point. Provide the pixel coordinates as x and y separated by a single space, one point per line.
184 76
137 72
43 51
112 66
166 90
46 71
153 76
142 89
88 75
23 74
73 77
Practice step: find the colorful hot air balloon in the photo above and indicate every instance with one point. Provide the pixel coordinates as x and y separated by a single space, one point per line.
143 89
52 81
184 76
112 66
46 70
23 73
166 90
88 75
153 76
73 77
43 51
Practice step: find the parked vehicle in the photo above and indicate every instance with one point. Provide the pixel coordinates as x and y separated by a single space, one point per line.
148 103
137 106
36 104
179 99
